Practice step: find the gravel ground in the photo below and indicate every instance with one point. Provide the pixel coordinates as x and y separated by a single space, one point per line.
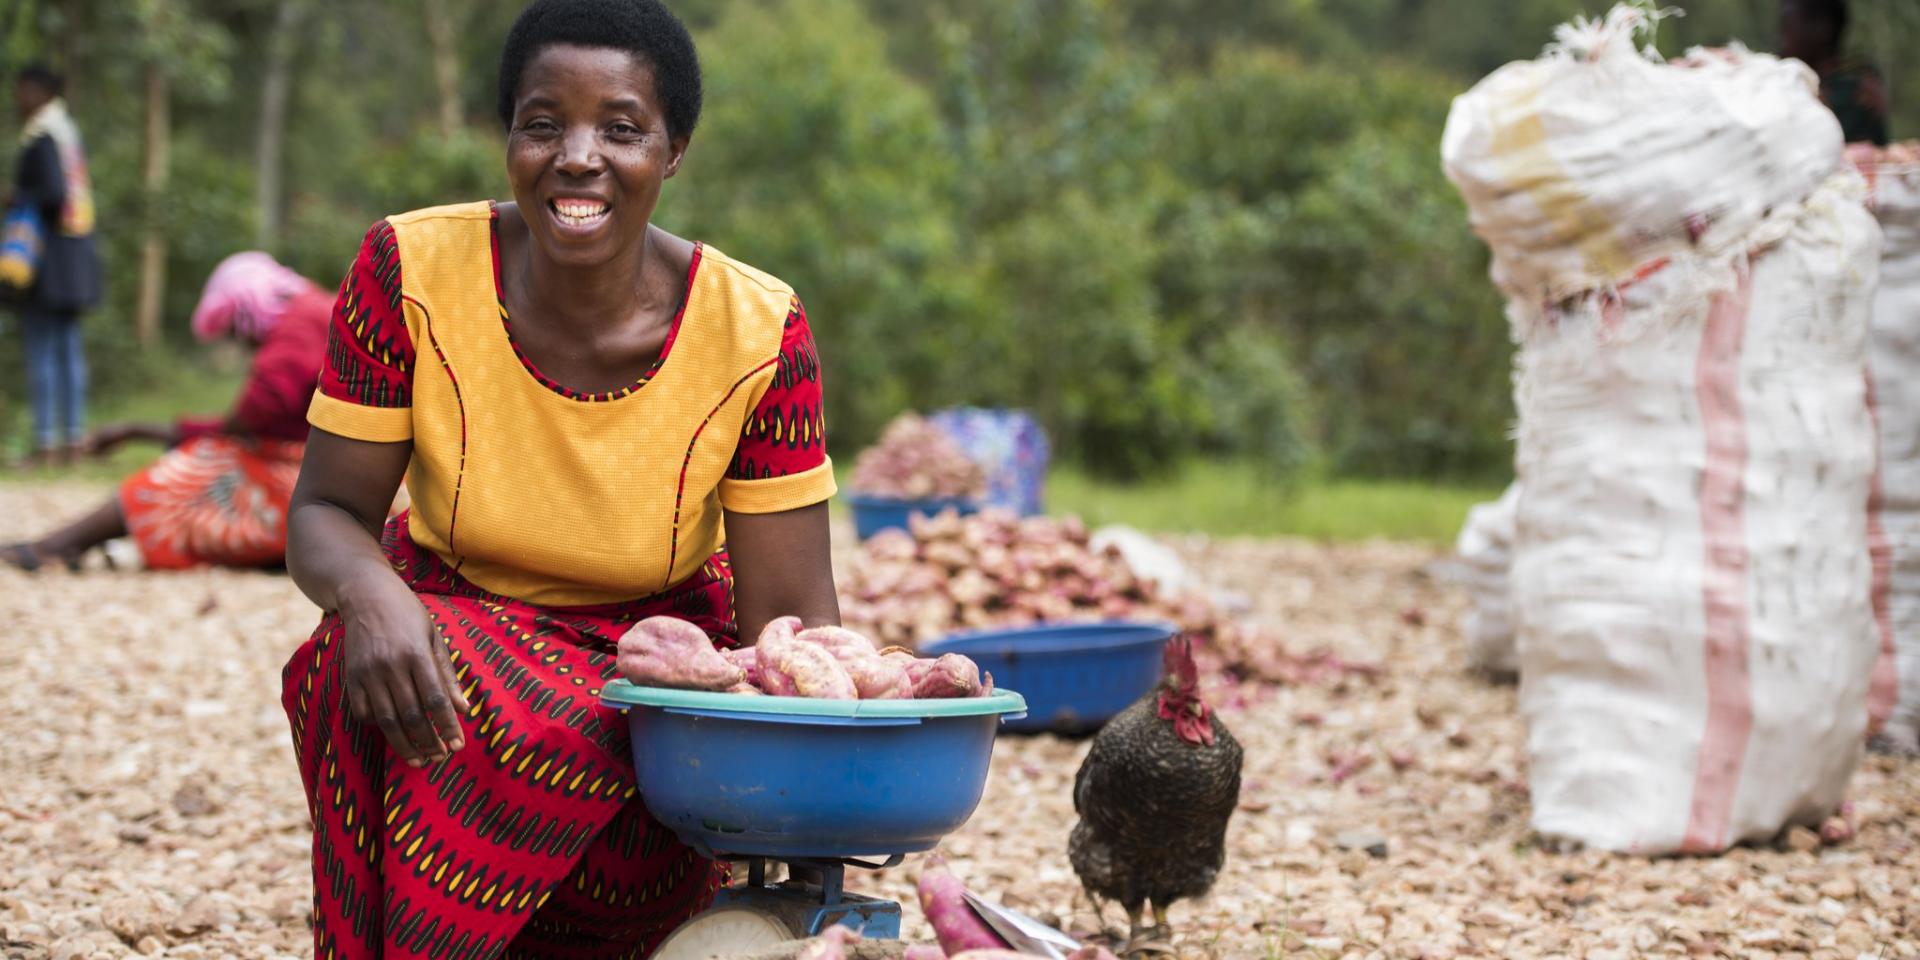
149 802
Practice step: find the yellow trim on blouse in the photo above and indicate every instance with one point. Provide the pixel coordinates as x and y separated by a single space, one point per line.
375 424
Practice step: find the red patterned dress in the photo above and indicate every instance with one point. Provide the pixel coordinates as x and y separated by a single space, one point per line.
544 522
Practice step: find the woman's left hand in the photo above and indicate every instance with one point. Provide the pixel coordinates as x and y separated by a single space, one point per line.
111 437
782 566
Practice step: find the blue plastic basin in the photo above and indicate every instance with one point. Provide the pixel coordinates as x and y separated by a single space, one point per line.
1075 676
794 778
873 514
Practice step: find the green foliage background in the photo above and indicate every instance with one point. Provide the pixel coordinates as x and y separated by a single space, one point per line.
1170 227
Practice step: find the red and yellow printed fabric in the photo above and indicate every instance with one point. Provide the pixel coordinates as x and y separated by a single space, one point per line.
531 840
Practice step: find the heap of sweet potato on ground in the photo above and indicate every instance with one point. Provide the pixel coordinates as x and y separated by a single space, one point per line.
996 570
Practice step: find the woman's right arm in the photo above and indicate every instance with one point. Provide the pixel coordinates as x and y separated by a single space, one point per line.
333 524
398 674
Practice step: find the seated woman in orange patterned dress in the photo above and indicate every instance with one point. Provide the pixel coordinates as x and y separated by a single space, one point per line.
219 496
598 422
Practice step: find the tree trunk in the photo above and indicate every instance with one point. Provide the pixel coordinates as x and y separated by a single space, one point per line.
153 181
72 52
275 91
446 64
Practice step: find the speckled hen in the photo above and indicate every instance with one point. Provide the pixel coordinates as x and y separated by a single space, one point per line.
1154 796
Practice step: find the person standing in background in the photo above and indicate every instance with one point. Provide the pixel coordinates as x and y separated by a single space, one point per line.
51 176
1814 32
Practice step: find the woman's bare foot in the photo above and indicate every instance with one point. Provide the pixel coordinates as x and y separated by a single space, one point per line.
20 556
69 543
31 557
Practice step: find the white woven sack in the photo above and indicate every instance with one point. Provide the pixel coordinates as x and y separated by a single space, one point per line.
1691 572
1893 178
1485 553
1595 159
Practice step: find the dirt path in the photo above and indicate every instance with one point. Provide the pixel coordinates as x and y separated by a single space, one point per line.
148 798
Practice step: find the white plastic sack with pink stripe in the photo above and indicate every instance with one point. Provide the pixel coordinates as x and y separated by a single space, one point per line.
1893 179
1691 574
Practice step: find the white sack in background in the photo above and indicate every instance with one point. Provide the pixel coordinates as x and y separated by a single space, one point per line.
1595 159
1689 274
1691 568
1485 554
1893 178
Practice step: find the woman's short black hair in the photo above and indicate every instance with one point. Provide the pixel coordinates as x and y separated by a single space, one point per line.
644 28
44 77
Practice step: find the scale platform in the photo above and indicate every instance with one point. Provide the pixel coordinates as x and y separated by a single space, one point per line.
757 915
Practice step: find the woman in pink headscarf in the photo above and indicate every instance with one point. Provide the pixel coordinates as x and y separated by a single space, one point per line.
219 495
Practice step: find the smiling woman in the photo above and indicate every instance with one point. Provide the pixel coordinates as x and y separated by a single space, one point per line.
597 422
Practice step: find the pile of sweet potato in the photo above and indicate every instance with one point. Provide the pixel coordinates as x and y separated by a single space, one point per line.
823 663
914 460
997 570
991 569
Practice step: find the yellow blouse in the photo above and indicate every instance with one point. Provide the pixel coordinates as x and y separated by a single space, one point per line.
539 493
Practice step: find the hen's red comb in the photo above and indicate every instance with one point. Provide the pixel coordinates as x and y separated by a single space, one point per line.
1177 658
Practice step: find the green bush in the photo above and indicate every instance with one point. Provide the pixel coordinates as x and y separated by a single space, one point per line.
817 162
1321 215
325 226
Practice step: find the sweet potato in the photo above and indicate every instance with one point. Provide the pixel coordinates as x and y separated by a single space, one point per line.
924 951
904 659
877 678
840 641
918 669
995 953
787 627
670 652
805 669
745 689
1092 951
831 944
874 677
773 683
944 900
948 676
748 660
